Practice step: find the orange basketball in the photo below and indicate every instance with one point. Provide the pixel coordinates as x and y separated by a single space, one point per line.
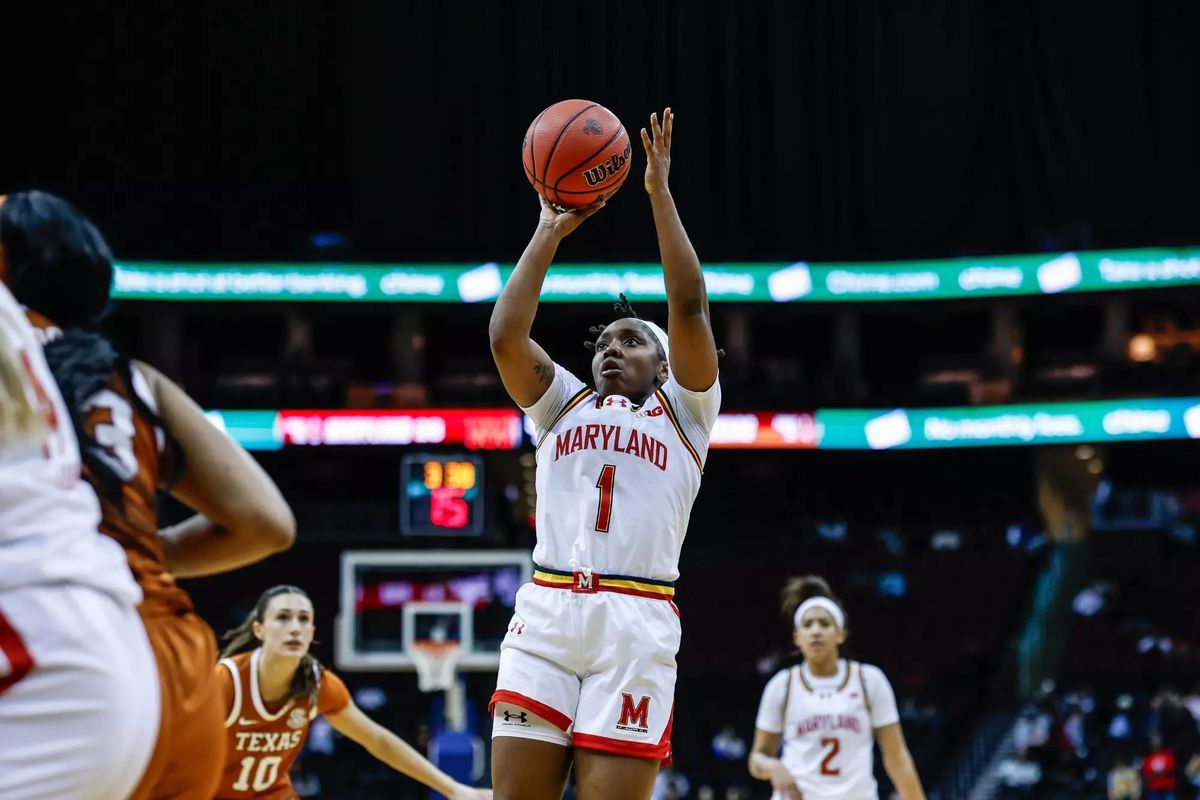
574 152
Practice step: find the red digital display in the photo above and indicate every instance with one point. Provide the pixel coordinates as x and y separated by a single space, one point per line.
475 429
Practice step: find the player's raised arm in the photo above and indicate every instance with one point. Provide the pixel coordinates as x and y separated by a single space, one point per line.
243 517
693 352
524 366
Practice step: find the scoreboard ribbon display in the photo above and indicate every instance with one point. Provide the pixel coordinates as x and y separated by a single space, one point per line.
761 282
820 429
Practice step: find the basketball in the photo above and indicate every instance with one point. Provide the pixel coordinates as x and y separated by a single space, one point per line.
574 152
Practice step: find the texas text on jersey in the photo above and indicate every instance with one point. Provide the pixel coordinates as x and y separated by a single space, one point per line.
262 743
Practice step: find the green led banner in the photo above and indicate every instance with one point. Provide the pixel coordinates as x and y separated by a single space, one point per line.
983 426
800 282
824 429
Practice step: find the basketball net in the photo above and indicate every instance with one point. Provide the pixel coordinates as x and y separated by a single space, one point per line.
435 662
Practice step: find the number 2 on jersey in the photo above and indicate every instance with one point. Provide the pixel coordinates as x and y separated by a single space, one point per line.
608 476
834 746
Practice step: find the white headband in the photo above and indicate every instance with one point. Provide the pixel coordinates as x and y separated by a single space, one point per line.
839 618
661 335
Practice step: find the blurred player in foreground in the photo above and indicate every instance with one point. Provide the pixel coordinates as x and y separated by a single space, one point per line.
140 434
79 700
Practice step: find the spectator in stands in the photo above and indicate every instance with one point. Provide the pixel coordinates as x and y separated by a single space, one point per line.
1159 772
1192 773
1124 783
1120 727
1018 775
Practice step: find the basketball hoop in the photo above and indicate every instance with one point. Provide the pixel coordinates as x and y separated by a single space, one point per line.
435 662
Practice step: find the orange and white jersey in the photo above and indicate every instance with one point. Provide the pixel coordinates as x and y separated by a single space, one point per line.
615 481
262 743
49 516
828 726
121 423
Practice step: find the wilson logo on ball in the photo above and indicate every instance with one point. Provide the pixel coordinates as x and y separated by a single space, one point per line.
606 169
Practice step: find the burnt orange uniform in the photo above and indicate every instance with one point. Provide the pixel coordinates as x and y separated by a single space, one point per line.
121 430
263 741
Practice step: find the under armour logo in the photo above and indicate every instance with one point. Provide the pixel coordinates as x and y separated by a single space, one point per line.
614 401
522 717
517 628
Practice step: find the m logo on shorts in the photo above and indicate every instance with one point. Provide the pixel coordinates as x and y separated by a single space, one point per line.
633 718
585 583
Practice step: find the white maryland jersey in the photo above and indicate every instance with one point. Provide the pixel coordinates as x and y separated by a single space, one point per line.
828 726
49 516
616 482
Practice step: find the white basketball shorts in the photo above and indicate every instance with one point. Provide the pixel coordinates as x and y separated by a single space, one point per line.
599 666
79 697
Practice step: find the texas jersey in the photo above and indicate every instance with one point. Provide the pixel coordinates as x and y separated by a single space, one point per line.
828 726
48 514
616 481
121 429
262 743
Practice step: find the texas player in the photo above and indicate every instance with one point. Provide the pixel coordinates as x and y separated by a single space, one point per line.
274 688
139 434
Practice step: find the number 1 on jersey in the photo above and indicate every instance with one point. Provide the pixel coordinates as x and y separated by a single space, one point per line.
608 476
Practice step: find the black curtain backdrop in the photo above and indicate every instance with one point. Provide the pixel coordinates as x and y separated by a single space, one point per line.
805 130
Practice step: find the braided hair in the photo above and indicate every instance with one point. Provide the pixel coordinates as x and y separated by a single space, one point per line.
623 309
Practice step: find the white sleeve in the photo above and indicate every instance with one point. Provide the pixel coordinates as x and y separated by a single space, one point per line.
883 699
770 708
563 388
697 410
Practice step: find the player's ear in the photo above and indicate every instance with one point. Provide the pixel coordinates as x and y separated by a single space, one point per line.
257 629
842 635
796 636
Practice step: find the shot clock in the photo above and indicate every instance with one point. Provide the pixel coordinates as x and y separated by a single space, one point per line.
441 495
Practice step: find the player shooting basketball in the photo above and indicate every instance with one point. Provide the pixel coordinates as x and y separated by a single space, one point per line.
590 674
274 688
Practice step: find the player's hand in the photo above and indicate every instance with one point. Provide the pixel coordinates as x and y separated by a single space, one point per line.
658 150
783 782
464 792
561 223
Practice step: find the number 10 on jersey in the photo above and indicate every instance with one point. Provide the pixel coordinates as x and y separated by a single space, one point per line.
604 483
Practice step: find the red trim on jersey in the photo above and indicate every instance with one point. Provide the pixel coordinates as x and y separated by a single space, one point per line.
544 711
659 752
20 660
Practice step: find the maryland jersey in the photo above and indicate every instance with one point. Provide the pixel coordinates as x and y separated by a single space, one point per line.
615 481
262 743
48 514
828 726
122 432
